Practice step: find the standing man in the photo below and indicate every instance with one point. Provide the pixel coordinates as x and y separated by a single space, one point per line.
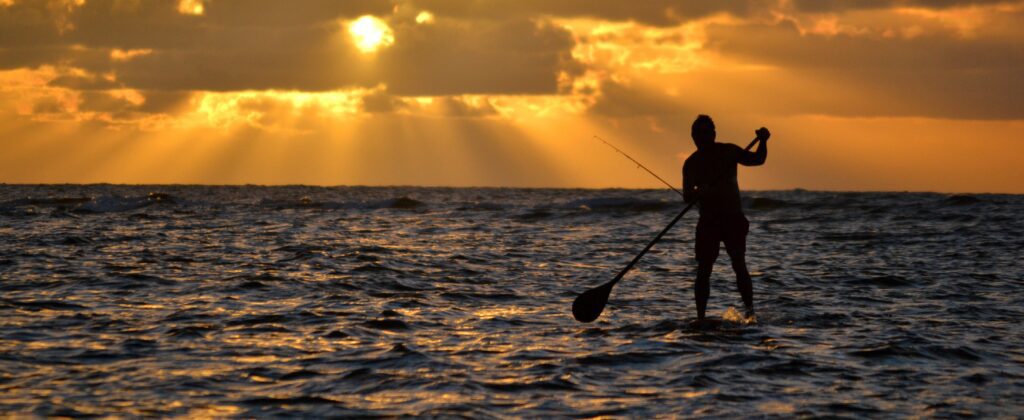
709 175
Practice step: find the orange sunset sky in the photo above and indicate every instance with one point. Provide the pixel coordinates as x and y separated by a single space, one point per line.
859 95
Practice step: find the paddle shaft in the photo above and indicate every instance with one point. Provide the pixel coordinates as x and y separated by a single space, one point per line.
651 244
663 232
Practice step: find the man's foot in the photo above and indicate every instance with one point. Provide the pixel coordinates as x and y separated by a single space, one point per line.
749 316
704 324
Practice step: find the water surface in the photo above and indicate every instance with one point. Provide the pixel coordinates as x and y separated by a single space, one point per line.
304 301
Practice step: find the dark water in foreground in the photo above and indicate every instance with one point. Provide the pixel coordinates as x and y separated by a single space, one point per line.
252 301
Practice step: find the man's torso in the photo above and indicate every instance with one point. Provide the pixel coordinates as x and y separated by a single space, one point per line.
713 171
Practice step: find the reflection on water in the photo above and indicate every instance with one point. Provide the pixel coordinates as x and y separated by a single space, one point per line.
252 301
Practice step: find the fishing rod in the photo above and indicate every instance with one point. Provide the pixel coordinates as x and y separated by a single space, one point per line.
589 304
639 165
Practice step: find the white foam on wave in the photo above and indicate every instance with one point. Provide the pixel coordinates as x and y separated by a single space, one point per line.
736 317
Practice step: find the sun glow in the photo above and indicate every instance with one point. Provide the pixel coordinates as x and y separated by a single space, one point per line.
191 7
370 33
425 18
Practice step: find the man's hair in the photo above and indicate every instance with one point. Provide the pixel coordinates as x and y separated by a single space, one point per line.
703 123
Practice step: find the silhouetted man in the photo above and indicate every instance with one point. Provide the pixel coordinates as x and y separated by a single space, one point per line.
709 175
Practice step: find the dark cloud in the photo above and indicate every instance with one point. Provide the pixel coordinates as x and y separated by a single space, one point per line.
492 47
455 107
49 105
254 45
936 75
452 57
17 57
111 103
290 13
644 108
164 101
441 59
621 101
782 44
99 101
651 12
239 69
100 23
380 102
158 24
27 24
841 5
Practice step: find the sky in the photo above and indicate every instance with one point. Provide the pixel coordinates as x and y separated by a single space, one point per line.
879 95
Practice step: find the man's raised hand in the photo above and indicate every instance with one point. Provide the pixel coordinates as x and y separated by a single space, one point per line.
763 134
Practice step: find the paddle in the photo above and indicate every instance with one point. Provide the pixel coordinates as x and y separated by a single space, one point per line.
589 305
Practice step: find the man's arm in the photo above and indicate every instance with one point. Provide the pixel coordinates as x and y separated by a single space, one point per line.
759 156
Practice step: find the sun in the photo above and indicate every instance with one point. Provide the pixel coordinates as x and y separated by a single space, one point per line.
370 33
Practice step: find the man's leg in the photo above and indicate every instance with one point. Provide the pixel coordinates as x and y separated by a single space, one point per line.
702 287
736 246
743 283
707 238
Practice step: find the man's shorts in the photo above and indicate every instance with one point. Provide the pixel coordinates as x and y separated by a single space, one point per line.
711 230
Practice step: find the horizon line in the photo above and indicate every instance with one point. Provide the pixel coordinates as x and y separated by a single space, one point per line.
496 187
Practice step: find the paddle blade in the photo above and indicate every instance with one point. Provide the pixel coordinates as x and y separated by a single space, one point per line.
588 305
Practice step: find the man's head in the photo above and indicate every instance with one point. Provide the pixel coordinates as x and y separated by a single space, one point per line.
703 131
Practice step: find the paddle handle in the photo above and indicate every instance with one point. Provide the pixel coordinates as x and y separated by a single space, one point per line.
662 233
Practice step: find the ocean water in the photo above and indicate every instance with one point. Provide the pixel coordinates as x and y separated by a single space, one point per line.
304 301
